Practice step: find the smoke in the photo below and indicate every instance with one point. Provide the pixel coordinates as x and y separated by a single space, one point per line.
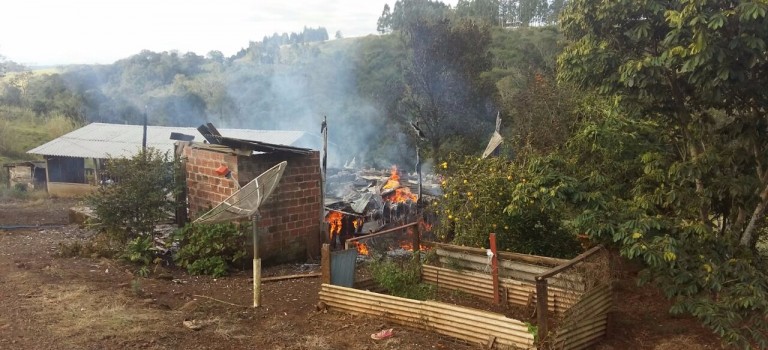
291 90
306 86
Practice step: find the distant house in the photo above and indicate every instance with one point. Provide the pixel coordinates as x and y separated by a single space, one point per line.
74 161
28 175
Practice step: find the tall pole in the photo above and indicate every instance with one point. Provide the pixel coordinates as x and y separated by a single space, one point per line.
256 262
323 168
418 171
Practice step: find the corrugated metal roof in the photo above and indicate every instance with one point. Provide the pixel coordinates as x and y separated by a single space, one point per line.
101 140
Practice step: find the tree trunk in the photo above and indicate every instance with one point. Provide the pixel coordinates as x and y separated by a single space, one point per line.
748 237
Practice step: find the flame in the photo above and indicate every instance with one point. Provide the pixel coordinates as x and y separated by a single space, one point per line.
334 220
402 194
394 179
362 248
409 246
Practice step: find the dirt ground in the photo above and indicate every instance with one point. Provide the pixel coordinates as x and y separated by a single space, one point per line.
48 302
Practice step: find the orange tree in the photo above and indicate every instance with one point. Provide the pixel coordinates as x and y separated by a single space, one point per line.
476 193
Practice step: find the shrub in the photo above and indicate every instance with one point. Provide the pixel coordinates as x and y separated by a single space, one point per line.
476 194
210 249
401 278
141 196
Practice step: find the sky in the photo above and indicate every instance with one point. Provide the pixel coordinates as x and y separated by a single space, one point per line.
53 32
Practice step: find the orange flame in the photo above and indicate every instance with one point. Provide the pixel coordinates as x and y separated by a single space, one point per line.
394 179
334 220
409 246
362 248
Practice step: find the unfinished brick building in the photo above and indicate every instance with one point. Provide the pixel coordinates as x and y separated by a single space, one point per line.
291 218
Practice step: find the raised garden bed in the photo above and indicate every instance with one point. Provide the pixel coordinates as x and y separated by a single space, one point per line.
578 298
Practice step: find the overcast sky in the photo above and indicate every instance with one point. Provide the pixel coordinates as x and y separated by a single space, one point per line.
44 32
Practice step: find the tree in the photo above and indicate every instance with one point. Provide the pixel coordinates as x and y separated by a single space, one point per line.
338 35
688 73
444 90
384 24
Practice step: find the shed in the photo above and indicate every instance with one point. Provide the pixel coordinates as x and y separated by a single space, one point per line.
29 175
75 161
290 221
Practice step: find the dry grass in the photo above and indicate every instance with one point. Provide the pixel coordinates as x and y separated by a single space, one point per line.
81 312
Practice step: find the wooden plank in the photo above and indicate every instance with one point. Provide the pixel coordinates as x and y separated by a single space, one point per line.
399 228
289 277
581 257
533 259
325 263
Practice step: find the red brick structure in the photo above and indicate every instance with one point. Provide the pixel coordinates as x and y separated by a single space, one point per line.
290 219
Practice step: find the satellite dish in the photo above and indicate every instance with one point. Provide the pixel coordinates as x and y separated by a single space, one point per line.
247 200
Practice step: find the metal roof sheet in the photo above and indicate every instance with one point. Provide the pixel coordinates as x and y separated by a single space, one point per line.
102 140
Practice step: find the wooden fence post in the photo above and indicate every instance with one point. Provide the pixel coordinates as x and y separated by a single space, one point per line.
325 263
416 238
541 307
494 269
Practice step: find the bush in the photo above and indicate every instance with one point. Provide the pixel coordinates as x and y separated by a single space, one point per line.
141 196
401 278
476 194
210 249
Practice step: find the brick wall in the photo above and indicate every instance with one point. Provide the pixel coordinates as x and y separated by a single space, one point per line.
205 188
290 218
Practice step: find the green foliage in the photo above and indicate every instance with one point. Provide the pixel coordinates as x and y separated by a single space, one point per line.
140 250
401 278
141 197
211 249
534 330
688 76
476 194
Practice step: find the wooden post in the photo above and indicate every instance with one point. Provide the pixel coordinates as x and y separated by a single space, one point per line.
494 269
325 263
256 262
541 307
416 238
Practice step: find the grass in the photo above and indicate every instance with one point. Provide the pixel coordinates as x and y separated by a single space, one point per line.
79 312
21 130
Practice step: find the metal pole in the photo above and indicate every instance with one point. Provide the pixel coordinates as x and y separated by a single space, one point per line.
256 262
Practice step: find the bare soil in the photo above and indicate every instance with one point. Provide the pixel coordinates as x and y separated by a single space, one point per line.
49 302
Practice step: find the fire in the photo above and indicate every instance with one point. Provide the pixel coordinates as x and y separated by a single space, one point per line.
334 220
362 248
402 194
394 179
409 246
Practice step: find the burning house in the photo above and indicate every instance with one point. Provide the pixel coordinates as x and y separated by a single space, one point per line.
369 201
